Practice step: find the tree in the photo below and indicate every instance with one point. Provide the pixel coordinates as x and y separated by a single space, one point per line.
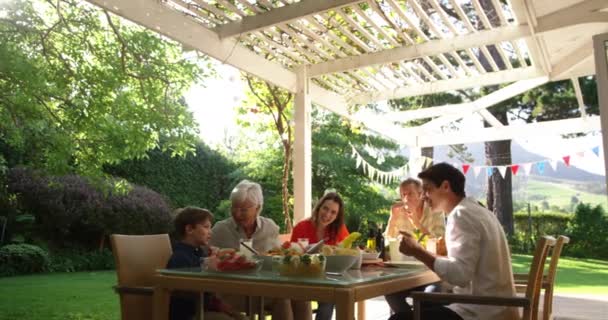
82 88
278 104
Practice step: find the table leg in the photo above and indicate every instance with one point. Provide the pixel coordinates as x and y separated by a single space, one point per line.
345 304
361 310
161 303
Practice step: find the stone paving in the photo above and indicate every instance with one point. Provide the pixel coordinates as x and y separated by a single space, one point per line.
565 307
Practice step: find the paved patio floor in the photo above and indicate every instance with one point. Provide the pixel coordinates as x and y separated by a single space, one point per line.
565 307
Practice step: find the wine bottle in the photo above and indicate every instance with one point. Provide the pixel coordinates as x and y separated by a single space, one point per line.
380 241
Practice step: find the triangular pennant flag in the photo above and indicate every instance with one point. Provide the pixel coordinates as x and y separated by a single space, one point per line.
354 151
553 164
365 168
476 171
540 166
581 154
358 162
596 150
514 169
465 168
566 160
502 170
489 171
527 168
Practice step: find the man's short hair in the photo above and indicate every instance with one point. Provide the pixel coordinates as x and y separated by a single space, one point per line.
189 216
413 181
438 173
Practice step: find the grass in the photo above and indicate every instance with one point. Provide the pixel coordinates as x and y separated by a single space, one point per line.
60 296
89 295
560 194
579 276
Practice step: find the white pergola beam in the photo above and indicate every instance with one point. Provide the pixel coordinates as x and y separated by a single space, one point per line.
280 15
153 15
588 11
578 56
429 48
579 97
490 118
489 100
487 79
545 128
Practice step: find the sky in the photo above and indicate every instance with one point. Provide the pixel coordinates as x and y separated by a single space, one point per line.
214 109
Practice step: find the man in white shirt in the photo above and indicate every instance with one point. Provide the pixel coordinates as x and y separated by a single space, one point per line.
478 260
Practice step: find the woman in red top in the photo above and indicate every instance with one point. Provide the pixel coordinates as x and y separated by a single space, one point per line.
327 222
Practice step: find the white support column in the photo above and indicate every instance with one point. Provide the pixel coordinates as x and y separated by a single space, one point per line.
601 75
416 161
302 161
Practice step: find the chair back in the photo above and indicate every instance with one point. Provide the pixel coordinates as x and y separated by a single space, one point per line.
137 258
535 276
550 278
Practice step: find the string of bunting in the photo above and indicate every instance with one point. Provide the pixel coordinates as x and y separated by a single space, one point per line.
386 177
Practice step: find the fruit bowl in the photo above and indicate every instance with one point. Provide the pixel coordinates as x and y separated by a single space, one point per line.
307 265
230 261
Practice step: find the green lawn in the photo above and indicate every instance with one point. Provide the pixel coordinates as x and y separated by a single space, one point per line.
60 296
582 276
89 295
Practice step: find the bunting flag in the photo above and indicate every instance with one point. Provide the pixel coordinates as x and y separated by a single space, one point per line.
527 168
476 171
421 163
553 164
540 166
502 170
514 169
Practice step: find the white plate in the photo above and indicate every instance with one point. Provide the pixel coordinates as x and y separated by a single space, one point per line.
403 264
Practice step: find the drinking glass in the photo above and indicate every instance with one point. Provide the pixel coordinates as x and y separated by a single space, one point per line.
244 251
303 242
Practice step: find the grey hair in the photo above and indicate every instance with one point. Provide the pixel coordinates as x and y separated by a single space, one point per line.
247 190
413 181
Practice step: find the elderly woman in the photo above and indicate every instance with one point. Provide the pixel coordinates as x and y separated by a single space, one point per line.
326 223
246 223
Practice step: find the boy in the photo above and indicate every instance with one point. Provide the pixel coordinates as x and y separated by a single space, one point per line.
193 229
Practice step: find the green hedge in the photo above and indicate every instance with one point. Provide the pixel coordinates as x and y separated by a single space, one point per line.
542 223
22 259
75 260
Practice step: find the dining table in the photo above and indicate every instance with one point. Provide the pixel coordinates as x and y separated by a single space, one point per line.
344 290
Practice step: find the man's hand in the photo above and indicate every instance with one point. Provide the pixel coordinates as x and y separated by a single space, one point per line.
409 246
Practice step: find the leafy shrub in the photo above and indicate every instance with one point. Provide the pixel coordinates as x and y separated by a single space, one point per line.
22 259
542 223
588 232
71 210
202 179
81 260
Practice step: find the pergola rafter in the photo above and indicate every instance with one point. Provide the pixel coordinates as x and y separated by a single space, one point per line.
338 53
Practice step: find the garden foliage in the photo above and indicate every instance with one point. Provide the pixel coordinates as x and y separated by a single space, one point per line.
22 259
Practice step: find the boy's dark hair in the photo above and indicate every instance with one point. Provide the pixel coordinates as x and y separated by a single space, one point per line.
441 172
189 216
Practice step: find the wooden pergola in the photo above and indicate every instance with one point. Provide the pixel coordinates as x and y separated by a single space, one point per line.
340 53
